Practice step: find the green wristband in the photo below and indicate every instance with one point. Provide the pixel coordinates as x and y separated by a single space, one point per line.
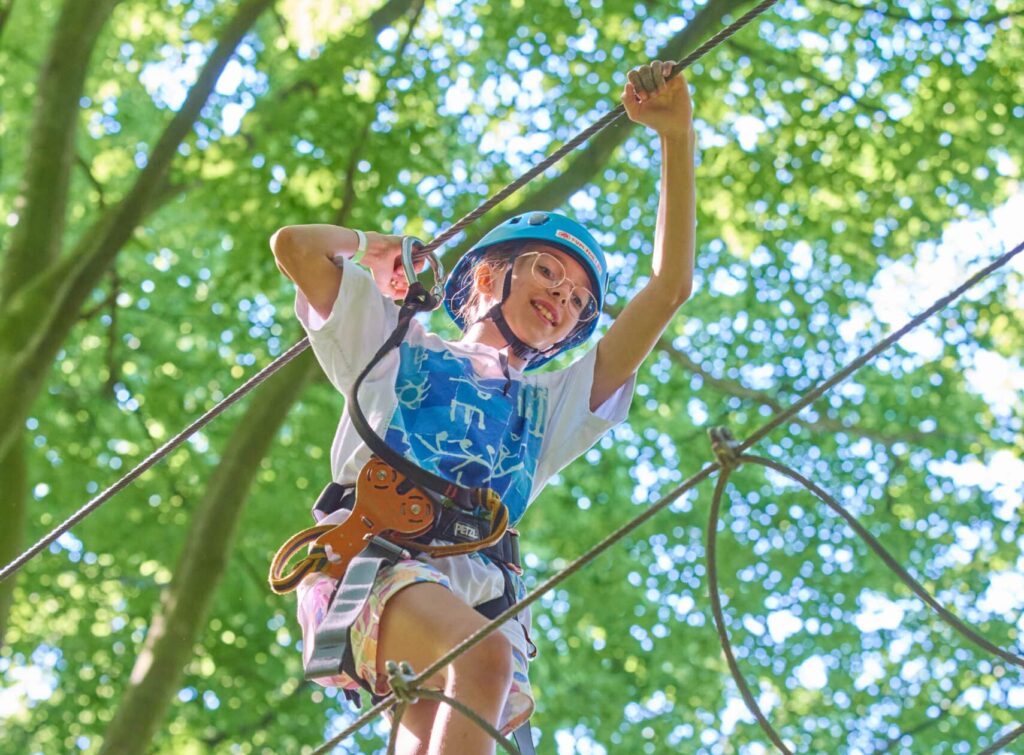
361 248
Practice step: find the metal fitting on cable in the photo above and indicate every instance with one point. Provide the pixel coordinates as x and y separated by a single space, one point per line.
400 677
725 448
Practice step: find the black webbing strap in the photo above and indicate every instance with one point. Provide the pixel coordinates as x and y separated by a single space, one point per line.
417 300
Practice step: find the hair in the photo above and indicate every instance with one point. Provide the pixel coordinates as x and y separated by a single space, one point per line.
499 258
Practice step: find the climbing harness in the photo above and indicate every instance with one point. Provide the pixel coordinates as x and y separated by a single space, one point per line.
395 508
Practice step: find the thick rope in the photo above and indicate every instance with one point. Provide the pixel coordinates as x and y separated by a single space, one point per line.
714 517
301 346
672 496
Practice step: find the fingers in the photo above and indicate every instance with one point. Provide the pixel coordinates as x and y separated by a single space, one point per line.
657 75
648 80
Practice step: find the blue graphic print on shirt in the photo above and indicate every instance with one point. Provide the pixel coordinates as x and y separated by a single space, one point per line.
464 428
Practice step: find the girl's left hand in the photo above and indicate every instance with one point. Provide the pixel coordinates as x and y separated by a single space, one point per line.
662 105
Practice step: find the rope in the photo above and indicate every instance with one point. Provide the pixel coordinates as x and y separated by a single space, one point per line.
890 561
301 345
152 459
724 440
1003 741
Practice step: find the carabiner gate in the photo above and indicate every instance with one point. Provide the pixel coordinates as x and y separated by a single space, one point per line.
411 247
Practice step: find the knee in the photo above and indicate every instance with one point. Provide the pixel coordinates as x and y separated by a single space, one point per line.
487 664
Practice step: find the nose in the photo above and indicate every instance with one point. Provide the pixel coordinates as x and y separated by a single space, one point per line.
562 290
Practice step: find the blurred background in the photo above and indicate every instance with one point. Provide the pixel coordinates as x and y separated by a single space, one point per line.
855 161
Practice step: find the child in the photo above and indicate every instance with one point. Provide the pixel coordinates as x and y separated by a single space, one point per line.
473 411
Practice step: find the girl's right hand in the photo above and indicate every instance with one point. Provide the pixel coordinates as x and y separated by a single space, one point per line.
383 259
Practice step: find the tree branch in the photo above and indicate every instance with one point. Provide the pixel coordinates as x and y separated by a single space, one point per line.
5 13
87 169
35 323
825 425
360 142
36 239
792 66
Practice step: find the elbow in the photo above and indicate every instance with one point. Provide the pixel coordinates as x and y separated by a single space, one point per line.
682 294
286 244
282 243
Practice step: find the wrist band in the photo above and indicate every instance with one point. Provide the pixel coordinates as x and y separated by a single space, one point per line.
361 248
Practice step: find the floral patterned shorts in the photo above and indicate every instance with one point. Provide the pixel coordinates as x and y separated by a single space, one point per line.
315 598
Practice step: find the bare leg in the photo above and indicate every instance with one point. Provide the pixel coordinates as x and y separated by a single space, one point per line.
414 731
419 625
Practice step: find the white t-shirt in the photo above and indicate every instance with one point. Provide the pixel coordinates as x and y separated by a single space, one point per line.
444 405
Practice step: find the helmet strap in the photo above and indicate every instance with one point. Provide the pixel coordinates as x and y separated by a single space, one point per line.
516 345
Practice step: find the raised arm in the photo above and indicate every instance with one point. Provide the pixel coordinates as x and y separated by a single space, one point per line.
666 108
308 255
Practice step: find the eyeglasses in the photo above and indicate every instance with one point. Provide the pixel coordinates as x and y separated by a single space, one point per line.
548 271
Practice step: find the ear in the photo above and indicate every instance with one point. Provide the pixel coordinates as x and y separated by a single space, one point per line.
483 279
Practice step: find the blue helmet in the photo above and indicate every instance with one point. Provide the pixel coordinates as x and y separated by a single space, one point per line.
550 228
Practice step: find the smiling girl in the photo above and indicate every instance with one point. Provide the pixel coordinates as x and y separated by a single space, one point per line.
476 412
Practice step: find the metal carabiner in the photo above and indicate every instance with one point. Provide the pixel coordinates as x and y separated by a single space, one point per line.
410 246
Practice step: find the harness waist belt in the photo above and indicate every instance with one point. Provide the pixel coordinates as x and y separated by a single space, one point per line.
453 525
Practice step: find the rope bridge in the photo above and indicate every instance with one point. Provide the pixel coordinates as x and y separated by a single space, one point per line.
406 684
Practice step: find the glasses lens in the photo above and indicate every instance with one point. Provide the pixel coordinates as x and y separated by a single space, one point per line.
549 272
588 305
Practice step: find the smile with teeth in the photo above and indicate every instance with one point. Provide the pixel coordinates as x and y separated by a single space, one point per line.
545 313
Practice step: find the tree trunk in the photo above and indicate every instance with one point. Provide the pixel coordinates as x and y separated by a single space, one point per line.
13 483
43 296
184 604
35 241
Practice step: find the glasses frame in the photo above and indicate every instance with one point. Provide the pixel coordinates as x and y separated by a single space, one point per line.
582 317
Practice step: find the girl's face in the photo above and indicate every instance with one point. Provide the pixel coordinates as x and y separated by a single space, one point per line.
545 304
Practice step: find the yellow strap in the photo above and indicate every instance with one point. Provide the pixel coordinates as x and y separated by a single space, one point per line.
282 584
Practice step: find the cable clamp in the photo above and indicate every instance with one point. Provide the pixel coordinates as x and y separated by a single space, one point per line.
400 677
725 448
